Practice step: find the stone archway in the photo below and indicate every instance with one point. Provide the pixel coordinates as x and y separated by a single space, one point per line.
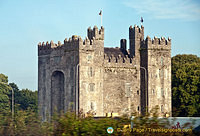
57 92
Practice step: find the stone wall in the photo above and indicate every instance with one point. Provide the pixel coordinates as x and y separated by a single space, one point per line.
121 88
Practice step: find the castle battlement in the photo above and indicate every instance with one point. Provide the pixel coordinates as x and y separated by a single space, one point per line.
157 43
135 30
73 42
121 60
96 33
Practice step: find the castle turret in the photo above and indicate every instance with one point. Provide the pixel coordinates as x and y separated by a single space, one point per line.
123 44
136 35
97 34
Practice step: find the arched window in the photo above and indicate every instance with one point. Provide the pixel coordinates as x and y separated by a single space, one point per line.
57 92
92 87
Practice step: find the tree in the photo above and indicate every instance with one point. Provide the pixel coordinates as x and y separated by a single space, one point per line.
186 85
4 94
26 99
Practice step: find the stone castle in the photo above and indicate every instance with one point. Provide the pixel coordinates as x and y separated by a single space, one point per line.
83 75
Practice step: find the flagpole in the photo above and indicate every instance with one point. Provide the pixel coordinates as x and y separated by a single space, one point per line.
101 19
100 13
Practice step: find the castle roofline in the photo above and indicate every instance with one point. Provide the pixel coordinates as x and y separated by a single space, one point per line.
115 51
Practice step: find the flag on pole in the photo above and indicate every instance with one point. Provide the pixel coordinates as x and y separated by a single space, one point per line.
142 20
100 13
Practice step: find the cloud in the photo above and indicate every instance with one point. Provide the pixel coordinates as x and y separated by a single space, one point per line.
169 9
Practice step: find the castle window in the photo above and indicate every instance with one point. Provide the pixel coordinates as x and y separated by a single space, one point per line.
138 92
127 89
161 61
162 108
162 92
92 106
153 92
89 58
162 73
92 87
138 108
90 71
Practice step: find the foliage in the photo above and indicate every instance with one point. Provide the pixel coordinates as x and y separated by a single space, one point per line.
3 78
69 124
26 99
186 85
4 92
24 123
27 123
23 99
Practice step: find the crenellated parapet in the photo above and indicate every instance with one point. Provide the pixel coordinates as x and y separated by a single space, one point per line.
73 43
119 60
136 32
156 43
95 33
46 48
91 44
69 44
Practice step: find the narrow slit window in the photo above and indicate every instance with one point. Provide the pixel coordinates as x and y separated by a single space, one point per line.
161 61
162 92
92 106
162 110
91 73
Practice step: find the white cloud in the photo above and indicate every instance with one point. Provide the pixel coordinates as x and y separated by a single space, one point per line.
168 9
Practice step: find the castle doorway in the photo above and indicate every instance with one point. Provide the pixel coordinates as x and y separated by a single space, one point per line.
57 92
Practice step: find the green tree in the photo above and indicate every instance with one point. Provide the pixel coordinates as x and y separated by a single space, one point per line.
186 85
26 99
4 94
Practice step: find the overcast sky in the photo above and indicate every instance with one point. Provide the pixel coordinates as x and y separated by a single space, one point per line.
25 23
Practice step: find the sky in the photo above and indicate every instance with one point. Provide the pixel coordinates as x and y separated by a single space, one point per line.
25 23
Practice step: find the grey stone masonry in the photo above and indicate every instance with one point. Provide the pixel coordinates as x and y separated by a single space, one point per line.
84 76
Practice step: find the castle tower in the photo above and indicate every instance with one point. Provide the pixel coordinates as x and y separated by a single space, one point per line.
136 38
156 58
136 35
70 75
91 55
